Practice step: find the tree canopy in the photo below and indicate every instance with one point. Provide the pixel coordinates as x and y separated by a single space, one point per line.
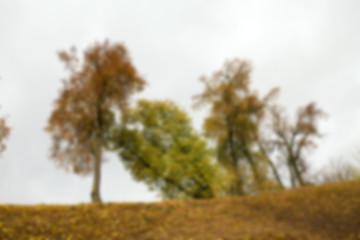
292 139
99 85
4 134
249 130
159 146
155 139
233 123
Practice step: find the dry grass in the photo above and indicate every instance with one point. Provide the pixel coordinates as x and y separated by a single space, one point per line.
326 212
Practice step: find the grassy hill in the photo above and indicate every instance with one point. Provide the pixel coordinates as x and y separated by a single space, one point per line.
325 212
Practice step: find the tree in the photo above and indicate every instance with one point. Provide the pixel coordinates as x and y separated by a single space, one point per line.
98 87
250 131
293 139
4 134
233 122
158 145
338 170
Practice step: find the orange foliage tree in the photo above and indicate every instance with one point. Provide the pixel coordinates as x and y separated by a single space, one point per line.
233 122
293 139
4 134
251 132
99 86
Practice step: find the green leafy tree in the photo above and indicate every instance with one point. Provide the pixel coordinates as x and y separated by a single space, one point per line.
159 146
99 85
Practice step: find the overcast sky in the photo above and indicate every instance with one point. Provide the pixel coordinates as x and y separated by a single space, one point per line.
310 49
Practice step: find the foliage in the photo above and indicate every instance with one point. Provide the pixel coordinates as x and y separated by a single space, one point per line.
159 146
293 139
99 84
252 132
4 134
233 122
312 213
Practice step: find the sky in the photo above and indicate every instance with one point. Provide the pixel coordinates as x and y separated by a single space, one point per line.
308 48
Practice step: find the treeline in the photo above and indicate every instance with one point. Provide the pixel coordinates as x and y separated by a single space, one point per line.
254 145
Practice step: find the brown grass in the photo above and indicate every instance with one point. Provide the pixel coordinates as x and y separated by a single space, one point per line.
325 212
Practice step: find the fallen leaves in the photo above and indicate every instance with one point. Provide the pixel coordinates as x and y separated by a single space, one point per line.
326 212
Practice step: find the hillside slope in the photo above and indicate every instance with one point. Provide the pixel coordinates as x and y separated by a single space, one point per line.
325 212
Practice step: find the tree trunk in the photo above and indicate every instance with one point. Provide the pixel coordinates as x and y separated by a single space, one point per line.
238 188
292 175
258 179
272 166
97 151
95 192
275 173
298 174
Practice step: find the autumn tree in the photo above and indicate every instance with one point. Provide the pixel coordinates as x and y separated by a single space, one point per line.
4 134
158 145
233 123
293 139
338 170
99 87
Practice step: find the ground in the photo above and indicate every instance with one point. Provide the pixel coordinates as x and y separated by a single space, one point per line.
315 212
